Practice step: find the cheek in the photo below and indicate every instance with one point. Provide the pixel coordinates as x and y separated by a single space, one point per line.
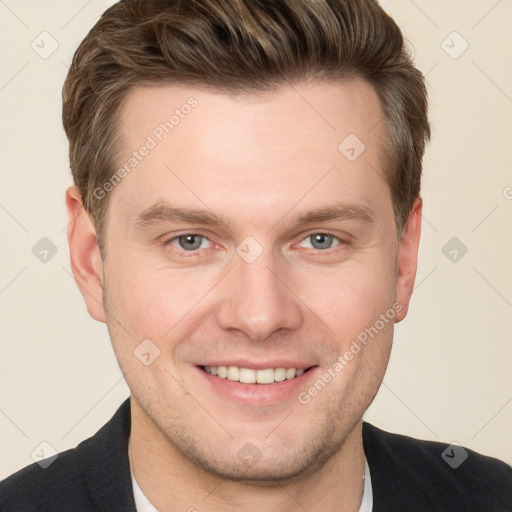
152 299
351 297
147 303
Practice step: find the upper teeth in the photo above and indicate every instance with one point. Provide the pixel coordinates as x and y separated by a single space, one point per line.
248 376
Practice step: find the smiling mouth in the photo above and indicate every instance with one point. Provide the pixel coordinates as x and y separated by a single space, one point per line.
250 376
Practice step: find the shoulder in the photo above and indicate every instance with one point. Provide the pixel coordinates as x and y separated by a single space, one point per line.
38 488
93 476
445 476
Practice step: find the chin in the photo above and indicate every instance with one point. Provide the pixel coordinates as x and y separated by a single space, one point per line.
260 461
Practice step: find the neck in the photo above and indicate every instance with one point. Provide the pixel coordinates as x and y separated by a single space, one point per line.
172 483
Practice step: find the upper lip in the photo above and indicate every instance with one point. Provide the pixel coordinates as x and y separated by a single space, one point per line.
259 365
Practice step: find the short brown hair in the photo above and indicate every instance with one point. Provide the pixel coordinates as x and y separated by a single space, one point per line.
240 46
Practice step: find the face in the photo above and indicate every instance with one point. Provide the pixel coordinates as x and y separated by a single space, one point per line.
251 240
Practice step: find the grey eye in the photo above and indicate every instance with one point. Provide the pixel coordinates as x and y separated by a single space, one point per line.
190 242
321 240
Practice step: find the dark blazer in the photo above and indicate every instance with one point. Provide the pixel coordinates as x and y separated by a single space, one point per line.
407 475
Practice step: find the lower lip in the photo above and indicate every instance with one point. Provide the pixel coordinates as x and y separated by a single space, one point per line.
259 394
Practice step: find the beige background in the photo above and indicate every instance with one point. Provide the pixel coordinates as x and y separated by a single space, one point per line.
449 377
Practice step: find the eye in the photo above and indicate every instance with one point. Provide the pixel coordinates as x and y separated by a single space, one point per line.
322 241
188 241
192 242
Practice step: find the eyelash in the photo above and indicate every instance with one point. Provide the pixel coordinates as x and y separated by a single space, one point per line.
195 252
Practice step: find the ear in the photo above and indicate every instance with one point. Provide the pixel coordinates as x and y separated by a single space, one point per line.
86 262
408 258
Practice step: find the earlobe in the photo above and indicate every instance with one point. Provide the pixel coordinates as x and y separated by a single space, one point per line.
408 258
86 262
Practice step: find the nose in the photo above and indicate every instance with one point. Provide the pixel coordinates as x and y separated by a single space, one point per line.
256 300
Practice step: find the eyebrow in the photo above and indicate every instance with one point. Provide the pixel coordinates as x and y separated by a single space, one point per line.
340 211
166 212
163 211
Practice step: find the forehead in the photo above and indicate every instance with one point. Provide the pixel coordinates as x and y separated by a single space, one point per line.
299 143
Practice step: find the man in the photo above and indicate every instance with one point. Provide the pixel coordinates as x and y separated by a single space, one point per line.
245 219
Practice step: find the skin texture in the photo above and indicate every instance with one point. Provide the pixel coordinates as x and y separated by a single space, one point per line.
258 162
